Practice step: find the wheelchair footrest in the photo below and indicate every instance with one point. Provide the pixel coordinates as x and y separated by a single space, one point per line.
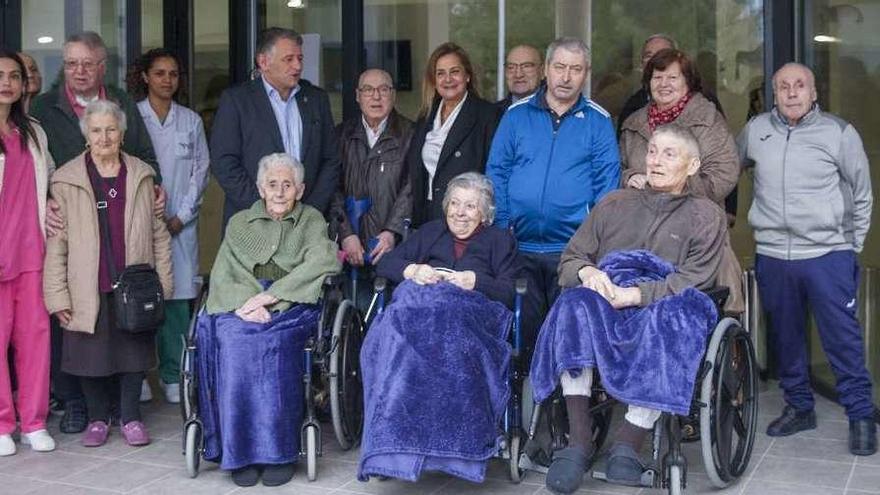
648 475
526 463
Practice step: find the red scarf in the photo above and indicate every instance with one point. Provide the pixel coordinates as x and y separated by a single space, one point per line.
78 109
657 117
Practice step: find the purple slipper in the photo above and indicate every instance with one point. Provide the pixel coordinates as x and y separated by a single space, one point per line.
135 433
96 434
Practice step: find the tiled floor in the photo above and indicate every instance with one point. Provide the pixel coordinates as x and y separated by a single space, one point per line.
812 463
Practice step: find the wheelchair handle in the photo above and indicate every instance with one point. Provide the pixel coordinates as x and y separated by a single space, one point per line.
379 284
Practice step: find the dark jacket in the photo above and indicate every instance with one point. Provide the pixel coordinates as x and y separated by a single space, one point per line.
466 150
245 130
66 141
688 231
491 254
378 173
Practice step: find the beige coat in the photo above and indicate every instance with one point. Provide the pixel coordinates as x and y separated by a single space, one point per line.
43 168
70 276
719 171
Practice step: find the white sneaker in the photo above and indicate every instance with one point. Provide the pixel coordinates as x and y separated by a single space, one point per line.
39 441
146 393
172 392
7 445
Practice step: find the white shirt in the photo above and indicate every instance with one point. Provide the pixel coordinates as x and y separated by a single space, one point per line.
288 118
434 141
373 137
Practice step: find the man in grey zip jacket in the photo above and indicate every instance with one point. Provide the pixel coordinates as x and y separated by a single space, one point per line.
811 213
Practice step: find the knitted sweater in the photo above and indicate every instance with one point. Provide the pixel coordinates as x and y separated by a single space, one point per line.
297 244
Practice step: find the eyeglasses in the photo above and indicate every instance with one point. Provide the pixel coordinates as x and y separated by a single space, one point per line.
383 90
87 65
525 67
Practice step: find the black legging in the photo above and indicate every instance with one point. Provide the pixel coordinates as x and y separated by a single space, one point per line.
99 393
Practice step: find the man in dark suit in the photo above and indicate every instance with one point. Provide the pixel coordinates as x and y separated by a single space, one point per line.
276 112
523 72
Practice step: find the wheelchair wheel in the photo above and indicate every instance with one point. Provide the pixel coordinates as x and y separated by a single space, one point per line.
311 439
514 450
728 420
346 389
191 448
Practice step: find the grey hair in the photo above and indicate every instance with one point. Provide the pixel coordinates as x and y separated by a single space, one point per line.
280 160
571 44
103 107
271 35
474 181
683 134
661 36
91 39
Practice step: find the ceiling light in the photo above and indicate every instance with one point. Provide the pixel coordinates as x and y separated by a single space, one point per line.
45 39
296 4
822 38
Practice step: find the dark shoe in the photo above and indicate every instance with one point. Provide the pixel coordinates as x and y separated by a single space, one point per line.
624 466
75 418
567 470
277 474
246 476
862 437
792 421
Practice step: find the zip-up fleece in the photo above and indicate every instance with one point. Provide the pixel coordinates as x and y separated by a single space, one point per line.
547 180
812 188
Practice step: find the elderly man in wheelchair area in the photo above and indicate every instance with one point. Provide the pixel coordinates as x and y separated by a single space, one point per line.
264 287
633 309
436 361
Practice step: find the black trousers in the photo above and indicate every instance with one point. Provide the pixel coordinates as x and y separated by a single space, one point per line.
64 385
539 269
101 391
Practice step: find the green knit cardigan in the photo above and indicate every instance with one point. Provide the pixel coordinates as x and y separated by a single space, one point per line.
297 245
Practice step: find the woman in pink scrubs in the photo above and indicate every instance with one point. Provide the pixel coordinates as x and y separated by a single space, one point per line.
25 165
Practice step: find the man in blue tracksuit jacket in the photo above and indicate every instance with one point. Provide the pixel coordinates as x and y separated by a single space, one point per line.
553 157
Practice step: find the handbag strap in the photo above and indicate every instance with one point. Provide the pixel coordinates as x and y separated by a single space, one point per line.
104 226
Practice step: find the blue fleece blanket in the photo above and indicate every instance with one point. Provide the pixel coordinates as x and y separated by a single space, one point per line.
250 386
647 356
435 370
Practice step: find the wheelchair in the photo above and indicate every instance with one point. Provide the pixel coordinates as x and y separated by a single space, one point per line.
511 447
723 414
331 370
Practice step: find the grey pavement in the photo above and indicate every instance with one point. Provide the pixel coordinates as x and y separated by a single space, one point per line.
814 462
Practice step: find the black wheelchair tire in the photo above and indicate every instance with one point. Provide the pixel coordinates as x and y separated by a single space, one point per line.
729 398
192 448
346 387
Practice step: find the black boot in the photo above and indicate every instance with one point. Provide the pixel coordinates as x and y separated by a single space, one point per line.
277 474
792 421
246 476
862 437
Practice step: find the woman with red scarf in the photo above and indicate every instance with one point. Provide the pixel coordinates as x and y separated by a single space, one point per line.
675 89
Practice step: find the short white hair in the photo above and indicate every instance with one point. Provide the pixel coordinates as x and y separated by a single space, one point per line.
684 135
474 181
103 107
280 160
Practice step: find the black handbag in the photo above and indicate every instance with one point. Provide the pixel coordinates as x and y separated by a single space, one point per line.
138 302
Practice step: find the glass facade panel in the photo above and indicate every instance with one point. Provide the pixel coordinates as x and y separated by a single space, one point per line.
151 25
46 24
320 23
211 75
841 44
400 36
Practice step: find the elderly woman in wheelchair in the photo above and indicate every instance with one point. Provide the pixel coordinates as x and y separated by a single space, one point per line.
634 312
436 362
261 308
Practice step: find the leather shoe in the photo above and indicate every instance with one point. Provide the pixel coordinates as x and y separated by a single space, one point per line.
862 437
792 421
